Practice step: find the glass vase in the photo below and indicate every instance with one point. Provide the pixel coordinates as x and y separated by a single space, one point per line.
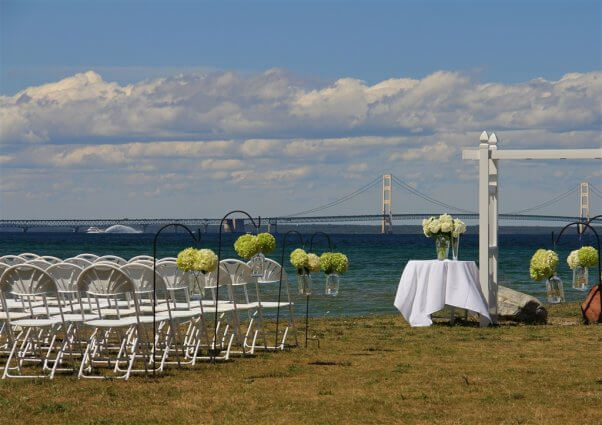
580 278
304 281
455 246
554 290
257 265
332 284
442 247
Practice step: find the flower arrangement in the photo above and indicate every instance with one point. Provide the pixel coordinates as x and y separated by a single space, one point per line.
246 246
444 225
587 256
191 259
313 263
299 260
459 228
266 243
573 260
543 264
334 262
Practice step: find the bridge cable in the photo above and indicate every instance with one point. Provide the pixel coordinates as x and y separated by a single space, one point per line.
373 183
426 197
595 190
546 203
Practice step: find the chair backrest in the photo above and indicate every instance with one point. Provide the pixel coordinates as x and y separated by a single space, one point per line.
111 259
28 256
26 280
272 272
51 259
87 256
106 282
168 259
29 283
209 280
43 264
104 279
140 257
267 286
239 271
82 262
11 260
142 276
174 277
65 276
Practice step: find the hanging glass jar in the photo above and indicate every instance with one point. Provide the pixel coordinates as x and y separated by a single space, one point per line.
332 284
554 290
455 246
304 281
442 247
580 278
257 265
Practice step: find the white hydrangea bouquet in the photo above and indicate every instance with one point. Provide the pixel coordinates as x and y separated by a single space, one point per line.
445 230
579 260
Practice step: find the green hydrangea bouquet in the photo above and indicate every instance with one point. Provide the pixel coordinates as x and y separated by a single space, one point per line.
191 259
334 262
543 264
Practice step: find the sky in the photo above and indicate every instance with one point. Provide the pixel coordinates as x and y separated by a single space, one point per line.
190 109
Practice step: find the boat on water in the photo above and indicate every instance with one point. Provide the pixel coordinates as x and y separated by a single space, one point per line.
117 228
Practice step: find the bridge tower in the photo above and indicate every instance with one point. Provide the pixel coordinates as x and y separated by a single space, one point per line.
584 204
387 223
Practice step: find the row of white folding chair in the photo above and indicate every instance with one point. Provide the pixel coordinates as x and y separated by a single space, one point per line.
125 307
239 274
98 281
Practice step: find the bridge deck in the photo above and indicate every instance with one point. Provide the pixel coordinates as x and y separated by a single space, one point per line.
143 222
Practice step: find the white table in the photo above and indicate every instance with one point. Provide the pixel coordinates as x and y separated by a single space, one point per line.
427 286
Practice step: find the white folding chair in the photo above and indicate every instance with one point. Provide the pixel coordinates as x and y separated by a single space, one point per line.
35 342
240 274
268 299
114 338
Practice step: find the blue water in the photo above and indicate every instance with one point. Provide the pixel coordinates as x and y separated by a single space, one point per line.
376 261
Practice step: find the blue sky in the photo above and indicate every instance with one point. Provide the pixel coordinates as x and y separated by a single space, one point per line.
127 108
505 41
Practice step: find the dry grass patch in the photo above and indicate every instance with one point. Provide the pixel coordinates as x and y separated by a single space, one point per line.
369 370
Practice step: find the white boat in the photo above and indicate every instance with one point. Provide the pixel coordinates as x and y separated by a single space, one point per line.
94 229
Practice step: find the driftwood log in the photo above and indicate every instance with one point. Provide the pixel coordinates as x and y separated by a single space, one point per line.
519 307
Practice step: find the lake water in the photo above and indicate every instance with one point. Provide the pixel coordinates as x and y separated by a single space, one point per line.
376 261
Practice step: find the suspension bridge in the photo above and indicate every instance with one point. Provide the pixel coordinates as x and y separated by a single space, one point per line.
316 215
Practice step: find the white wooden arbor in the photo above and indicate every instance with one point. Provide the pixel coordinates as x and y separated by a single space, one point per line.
489 156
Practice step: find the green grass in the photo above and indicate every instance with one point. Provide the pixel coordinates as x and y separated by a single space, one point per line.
368 370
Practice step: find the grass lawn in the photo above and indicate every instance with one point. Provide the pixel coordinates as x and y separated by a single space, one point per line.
368 370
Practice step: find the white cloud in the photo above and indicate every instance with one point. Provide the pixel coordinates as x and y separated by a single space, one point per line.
439 152
274 131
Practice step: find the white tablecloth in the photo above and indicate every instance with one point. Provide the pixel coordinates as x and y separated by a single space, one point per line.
427 286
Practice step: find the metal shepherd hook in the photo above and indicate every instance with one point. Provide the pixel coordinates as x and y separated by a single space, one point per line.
587 224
